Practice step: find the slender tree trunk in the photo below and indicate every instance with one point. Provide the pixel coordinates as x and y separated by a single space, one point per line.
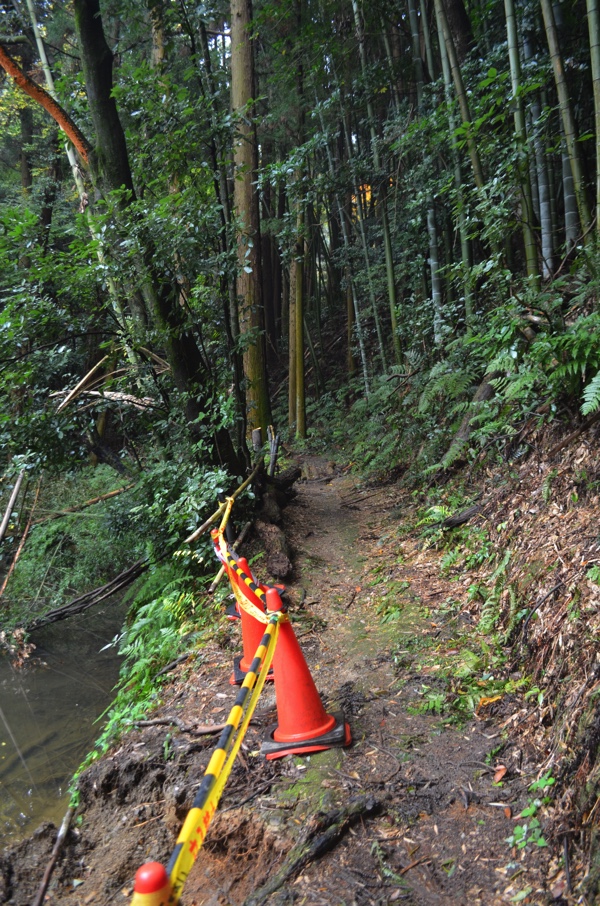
568 118
542 177
521 141
461 93
465 245
247 210
434 262
381 193
110 163
299 402
594 29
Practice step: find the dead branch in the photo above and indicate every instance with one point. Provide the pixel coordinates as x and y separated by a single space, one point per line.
87 600
41 96
321 834
460 518
200 730
62 834
81 384
573 435
113 396
82 506
211 519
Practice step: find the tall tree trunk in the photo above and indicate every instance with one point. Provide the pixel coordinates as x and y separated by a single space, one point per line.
521 141
110 163
381 179
247 212
465 245
594 29
432 233
568 119
542 175
461 94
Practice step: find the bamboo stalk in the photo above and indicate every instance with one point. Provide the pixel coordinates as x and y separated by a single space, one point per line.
73 393
23 539
11 503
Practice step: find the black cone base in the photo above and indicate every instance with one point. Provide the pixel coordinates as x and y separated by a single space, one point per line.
339 735
238 676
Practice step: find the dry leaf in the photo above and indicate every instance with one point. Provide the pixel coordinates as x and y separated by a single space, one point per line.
500 772
488 701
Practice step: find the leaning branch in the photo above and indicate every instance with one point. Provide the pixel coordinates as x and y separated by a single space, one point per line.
82 506
41 96
87 600
62 836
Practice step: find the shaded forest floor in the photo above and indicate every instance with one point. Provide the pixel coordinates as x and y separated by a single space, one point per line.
420 807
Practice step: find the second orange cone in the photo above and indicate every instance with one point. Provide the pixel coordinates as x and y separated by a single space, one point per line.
304 725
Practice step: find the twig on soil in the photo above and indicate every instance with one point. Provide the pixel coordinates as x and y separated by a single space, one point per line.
320 835
172 664
570 437
39 899
261 789
423 859
537 607
202 730
567 866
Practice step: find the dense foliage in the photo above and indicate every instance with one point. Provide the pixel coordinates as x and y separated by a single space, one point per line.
427 267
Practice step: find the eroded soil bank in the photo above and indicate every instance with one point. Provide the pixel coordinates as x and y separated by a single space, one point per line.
417 810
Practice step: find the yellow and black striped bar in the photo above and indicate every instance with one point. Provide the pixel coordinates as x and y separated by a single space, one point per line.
247 580
195 827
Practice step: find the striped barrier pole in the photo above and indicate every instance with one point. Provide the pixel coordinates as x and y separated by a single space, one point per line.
149 878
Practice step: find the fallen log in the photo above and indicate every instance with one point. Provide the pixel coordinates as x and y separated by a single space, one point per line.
460 518
321 834
87 600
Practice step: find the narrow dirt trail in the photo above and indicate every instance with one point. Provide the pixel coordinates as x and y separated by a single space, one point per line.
439 836
408 813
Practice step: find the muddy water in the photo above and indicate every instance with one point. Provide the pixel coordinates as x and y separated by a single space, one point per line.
47 716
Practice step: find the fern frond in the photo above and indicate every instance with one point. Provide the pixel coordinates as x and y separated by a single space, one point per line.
591 396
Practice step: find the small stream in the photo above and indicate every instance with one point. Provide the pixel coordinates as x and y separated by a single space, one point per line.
48 711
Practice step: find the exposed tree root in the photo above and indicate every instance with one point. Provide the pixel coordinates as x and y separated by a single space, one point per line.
320 835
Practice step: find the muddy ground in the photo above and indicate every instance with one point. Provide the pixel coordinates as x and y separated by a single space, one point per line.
417 810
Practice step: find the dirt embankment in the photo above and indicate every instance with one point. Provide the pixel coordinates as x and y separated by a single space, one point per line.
448 734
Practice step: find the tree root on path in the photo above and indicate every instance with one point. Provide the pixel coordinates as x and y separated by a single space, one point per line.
321 834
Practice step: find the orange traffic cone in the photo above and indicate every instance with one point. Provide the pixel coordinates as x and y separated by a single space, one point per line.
252 629
152 886
303 724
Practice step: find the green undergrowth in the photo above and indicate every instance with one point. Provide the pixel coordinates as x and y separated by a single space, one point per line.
161 626
67 555
460 648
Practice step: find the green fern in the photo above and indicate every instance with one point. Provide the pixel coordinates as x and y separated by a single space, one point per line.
591 396
444 383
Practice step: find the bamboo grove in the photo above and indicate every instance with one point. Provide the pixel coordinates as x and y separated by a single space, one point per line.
218 216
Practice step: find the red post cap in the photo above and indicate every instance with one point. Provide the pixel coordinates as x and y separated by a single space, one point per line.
150 878
274 602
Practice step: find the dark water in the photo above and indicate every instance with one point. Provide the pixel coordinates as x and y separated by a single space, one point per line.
47 714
